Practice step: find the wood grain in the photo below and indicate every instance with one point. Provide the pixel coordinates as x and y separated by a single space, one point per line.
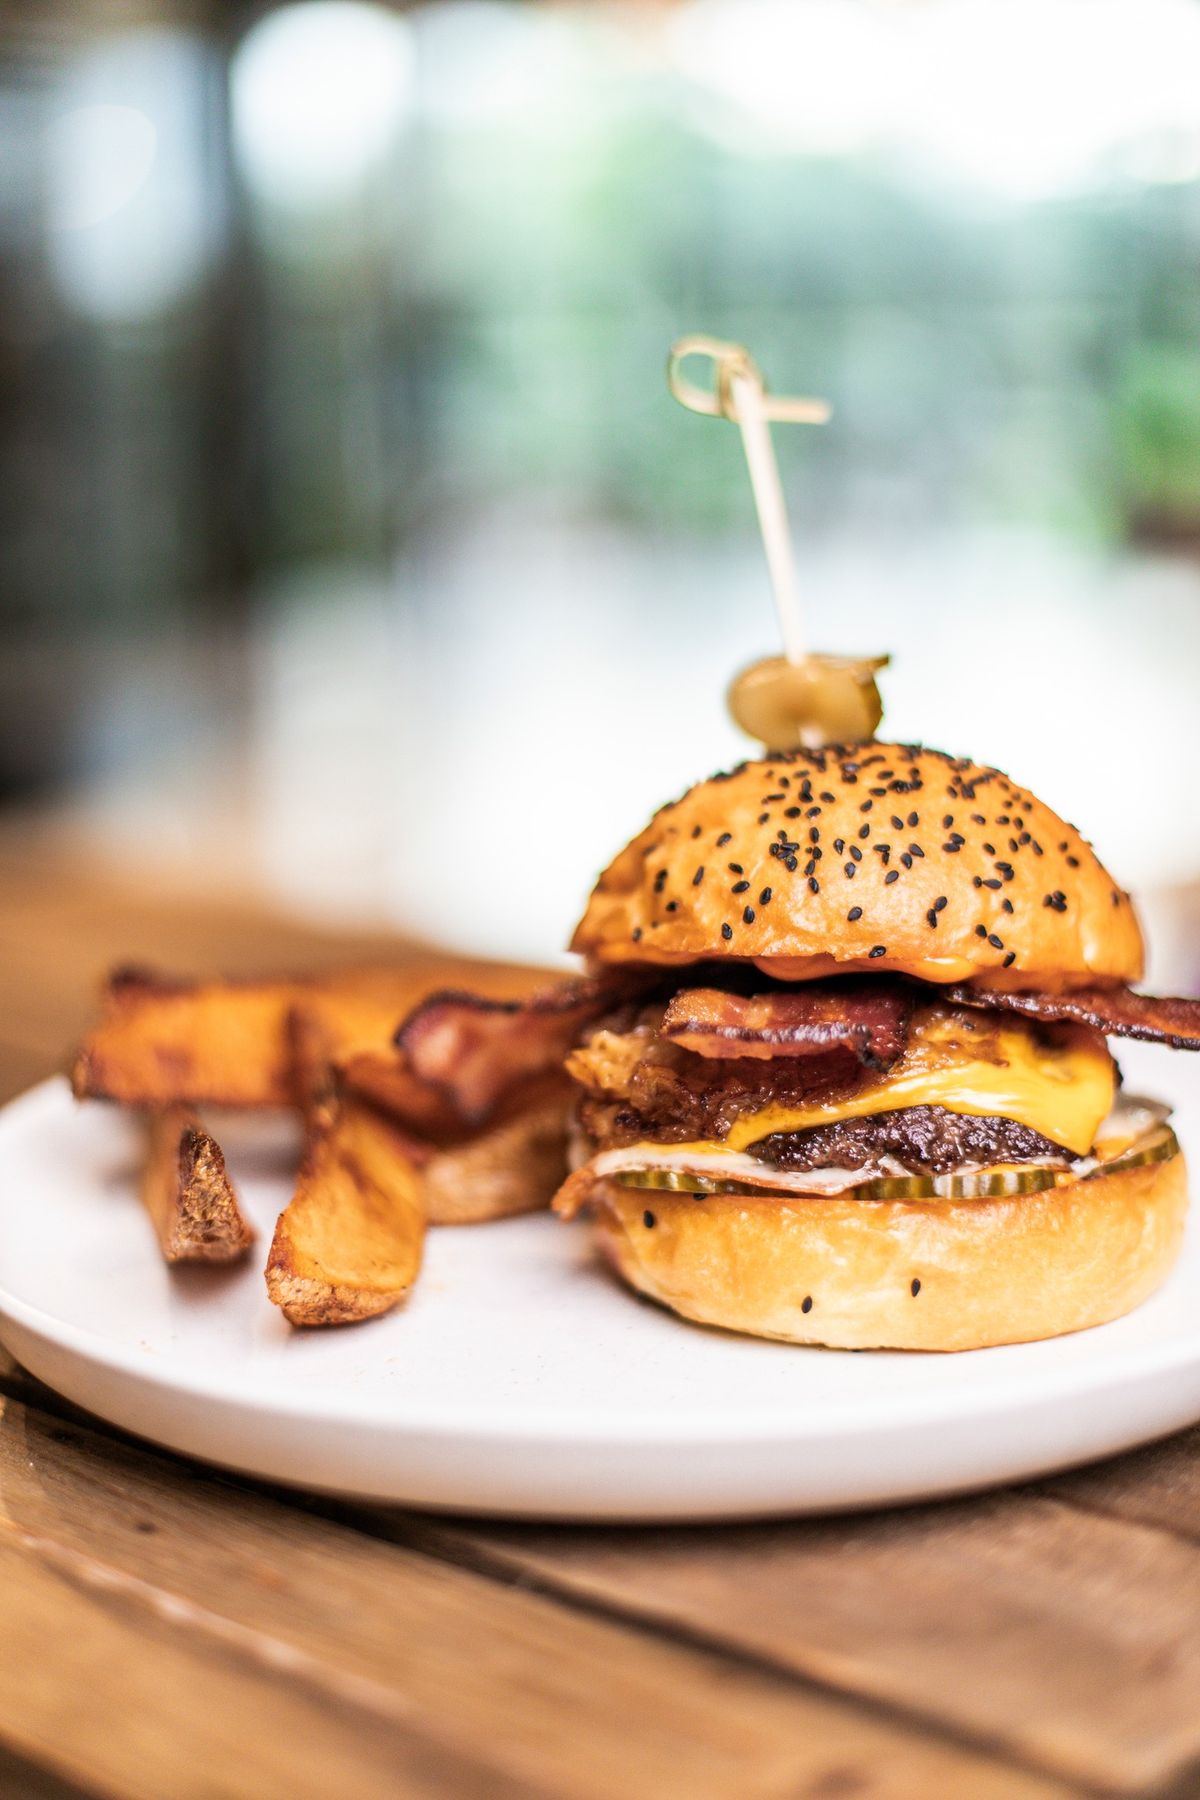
201 1617
1159 1486
1069 1639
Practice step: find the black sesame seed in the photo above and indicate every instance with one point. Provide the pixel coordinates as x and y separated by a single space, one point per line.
981 931
764 898
792 812
814 885
854 913
747 915
914 818
1072 862
877 950
636 934
839 845
734 868
893 875
763 818
649 1221
698 877
916 850
915 1288
1007 905
898 824
996 942
790 863
866 806
939 904
948 821
672 906
1009 960
932 917
727 932
906 859
806 1304
951 849
696 831
855 853
992 882
864 831
849 867
814 834
725 838
739 887
990 848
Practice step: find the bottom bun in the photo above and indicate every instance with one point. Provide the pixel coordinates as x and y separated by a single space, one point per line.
902 1274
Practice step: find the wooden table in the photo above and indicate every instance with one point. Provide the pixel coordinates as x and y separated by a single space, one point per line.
174 1634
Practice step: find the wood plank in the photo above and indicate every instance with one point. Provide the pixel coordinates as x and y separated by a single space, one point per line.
1067 1638
103 1682
176 1598
1158 1486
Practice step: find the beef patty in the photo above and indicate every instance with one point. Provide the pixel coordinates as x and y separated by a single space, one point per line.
929 1140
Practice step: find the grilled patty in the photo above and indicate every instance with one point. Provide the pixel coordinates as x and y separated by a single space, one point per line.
929 1140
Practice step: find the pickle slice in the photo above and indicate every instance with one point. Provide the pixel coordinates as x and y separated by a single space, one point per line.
1159 1145
678 1181
994 1184
969 1184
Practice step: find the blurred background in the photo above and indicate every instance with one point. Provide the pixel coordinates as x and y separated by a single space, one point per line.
352 551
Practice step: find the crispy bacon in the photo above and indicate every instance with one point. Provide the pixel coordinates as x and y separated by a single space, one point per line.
473 1050
871 1019
1118 1012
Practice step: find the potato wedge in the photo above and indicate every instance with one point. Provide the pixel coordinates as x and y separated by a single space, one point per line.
188 1194
348 1246
226 1043
514 1167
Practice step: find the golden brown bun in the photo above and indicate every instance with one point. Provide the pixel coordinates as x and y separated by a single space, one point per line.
990 1271
1069 923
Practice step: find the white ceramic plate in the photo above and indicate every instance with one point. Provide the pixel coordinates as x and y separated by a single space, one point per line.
519 1379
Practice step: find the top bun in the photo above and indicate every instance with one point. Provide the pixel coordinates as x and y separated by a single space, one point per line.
870 857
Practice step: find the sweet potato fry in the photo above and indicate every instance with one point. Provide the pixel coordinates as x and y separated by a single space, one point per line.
348 1245
188 1194
226 1043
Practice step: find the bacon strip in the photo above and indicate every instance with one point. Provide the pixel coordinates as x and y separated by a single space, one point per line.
472 1050
870 1019
1118 1012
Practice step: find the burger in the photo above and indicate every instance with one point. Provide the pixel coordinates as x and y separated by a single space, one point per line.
840 1064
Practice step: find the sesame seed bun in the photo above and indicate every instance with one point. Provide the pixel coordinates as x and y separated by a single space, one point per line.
876 857
902 1275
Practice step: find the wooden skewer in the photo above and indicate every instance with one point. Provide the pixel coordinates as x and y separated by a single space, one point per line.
740 394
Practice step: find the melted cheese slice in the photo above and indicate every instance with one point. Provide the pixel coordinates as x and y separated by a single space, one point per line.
1060 1082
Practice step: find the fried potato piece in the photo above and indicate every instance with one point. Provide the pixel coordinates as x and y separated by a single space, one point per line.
515 1167
348 1246
227 1043
188 1194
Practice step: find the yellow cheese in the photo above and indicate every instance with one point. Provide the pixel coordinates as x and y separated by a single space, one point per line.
1060 1083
